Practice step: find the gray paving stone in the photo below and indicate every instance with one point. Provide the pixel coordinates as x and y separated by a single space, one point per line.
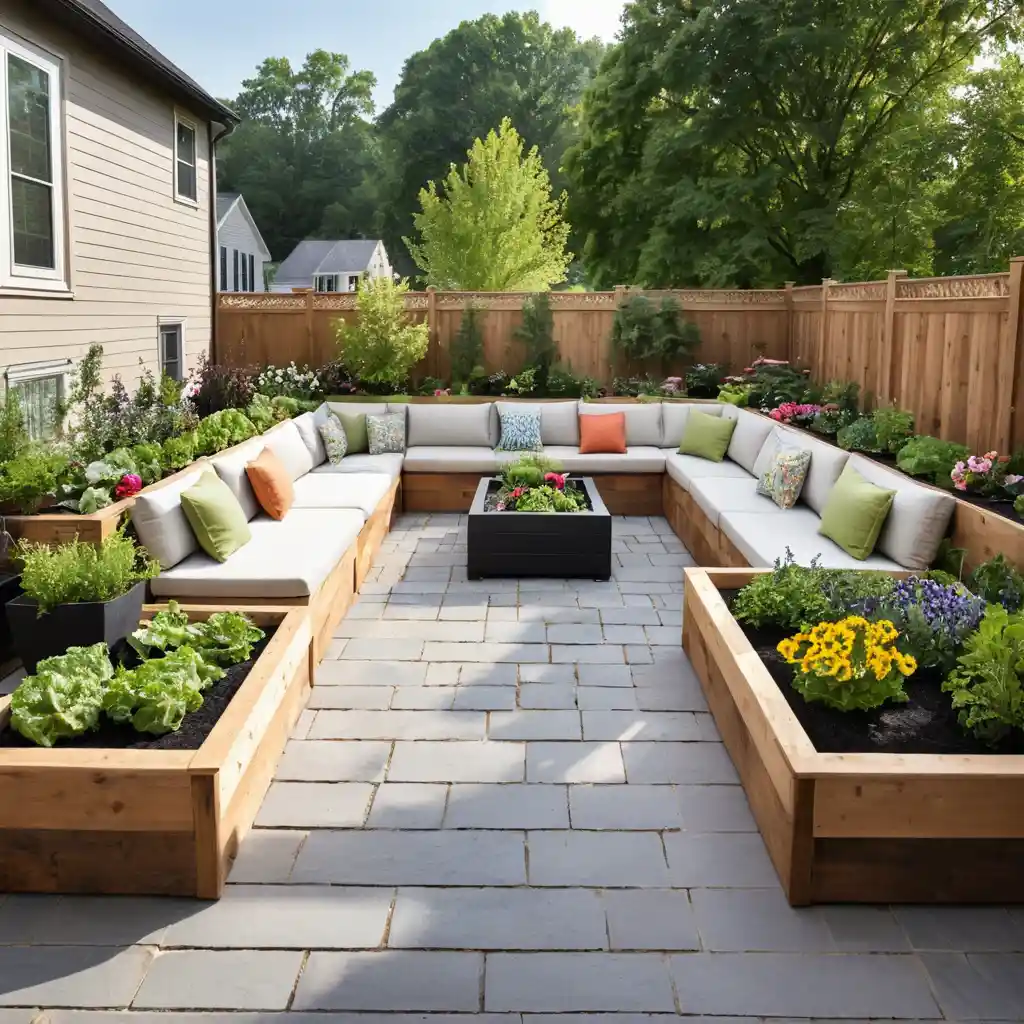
624 807
509 653
860 929
756 920
398 725
657 726
962 929
671 617
650 919
605 675
85 976
534 725
498 919
515 633
624 634
412 858
315 805
606 698
638 654
286 917
668 636
405 629
564 675
584 654
408 805
444 673
602 859
553 614
423 698
487 675
667 696
334 761
788 985
472 805
462 613
972 986
678 762
574 762
350 698
485 698
458 762
630 616
547 696
302 726
712 859
410 609
220 980
565 982
267 855
391 980
373 650
562 633
715 809
370 673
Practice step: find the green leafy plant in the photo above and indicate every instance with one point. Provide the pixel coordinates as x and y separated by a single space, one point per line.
147 459
998 582
550 499
843 394
383 345
893 428
859 436
467 347
735 394
634 387
774 381
986 687
178 452
563 383
931 458
1018 504
13 435
64 697
527 471
76 573
222 430
261 413
432 385
524 382
704 380
30 478
225 638
537 334
643 329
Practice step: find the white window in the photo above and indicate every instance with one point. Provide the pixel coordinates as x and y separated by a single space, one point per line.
326 283
41 387
172 349
353 282
31 170
186 178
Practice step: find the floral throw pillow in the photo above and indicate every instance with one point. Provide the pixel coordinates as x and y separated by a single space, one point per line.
784 479
520 430
386 433
335 439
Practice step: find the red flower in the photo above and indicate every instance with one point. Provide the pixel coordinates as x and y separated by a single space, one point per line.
131 483
518 492
558 479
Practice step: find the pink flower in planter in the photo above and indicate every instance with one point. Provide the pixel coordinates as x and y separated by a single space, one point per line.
518 493
558 479
131 483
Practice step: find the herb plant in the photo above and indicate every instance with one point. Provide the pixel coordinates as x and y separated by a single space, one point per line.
859 436
998 582
893 428
788 597
30 478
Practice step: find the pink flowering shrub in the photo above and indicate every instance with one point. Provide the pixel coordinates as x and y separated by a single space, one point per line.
985 475
800 414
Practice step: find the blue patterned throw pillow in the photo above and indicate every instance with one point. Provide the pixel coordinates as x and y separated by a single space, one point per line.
386 433
520 429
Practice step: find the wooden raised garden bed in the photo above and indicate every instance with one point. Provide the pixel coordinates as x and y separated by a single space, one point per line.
857 828
162 822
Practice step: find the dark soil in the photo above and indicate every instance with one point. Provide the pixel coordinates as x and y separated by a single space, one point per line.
570 485
194 729
926 724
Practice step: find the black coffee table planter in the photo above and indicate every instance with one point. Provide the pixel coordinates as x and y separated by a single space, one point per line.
557 544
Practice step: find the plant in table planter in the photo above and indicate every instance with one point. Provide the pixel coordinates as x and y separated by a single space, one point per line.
222 430
893 428
64 696
527 471
30 479
986 687
930 458
704 380
850 665
544 499
859 436
998 582
796 413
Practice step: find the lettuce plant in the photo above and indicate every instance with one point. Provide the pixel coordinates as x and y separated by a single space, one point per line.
226 638
222 430
178 452
64 697
931 458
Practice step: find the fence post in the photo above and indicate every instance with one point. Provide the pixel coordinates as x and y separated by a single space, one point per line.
819 371
1009 363
310 296
790 320
884 382
433 351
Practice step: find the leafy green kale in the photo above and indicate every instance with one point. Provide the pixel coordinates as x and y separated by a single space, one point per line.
64 697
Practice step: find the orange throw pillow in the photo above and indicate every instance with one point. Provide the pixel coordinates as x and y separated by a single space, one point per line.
603 434
271 483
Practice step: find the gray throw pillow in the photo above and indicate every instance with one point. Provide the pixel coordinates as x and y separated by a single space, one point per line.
386 433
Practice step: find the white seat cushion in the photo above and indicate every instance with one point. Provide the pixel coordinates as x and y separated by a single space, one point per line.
444 459
637 459
643 420
287 558
715 495
230 466
762 539
457 426
684 469
675 415
359 491
389 463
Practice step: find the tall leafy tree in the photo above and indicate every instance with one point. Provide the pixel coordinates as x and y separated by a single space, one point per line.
496 226
723 139
305 152
461 86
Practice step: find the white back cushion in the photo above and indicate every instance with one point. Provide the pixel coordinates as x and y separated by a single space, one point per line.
752 430
308 427
230 467
675 415
827 464
559 423
643 420
444 426
160 521
286 443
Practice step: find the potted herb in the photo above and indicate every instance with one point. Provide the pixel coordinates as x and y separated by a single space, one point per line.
77 595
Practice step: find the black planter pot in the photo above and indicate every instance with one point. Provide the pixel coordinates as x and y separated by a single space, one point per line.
71 625
10 588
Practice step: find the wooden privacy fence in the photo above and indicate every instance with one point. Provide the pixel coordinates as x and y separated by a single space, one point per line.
947 349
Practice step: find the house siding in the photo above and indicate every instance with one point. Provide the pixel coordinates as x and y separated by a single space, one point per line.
236 234
136 256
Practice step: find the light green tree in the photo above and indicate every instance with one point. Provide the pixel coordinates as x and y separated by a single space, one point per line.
496 227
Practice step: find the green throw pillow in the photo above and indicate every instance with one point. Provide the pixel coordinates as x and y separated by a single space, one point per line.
215 516
855 513
355 430
707 436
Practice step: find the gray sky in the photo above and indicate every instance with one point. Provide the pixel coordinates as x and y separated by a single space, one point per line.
220 42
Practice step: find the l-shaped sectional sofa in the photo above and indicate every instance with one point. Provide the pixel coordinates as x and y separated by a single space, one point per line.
320 553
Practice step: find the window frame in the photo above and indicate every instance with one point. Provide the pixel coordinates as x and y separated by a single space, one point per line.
252 273
319 278
353 282
223 268
190 123
234 260
15 276
245 272
163 323
27 373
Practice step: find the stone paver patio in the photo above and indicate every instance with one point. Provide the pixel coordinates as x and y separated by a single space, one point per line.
506 798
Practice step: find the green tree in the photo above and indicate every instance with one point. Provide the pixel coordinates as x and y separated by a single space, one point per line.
722 138
467 348
461 86
538 336
496 227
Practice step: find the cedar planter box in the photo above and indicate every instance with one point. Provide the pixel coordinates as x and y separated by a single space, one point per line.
160 822
557 544
853 828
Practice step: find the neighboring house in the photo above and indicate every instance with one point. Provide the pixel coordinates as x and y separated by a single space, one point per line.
106 164
241 251
332 266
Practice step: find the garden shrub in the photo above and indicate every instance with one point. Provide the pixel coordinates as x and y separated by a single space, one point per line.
30 477
214 388
13 435
704 380
563 383
893 428
931 458
467 347
537 334
998 582
643 330
859 436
